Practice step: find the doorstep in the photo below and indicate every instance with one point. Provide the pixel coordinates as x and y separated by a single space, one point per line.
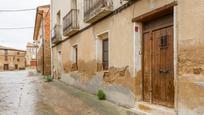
152 109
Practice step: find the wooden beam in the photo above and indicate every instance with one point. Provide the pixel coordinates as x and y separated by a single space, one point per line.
161 11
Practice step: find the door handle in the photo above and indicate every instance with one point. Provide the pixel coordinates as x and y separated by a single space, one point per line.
164 71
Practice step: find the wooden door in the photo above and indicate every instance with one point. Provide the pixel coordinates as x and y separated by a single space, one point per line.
105 54
158 68
147 66
163 71
6 67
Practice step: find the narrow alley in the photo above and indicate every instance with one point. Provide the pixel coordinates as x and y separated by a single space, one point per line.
101 57
26 93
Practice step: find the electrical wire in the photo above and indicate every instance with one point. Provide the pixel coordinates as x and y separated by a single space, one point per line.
17 10
16 28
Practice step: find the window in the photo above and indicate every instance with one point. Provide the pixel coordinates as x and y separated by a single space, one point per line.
58 18
16 66
18 53
6 66
102 51
164 41
18 60
33 56
75 57
105 56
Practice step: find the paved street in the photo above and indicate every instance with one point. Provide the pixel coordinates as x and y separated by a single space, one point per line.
25 93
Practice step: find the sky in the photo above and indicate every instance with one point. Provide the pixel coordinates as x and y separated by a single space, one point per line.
18 38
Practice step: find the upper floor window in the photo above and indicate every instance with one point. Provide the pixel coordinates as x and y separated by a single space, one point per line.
59 17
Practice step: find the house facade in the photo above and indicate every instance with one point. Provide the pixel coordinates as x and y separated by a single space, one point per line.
12 59
42 39
144 54
31 54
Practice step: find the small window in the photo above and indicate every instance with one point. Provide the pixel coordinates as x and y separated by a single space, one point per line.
6 66
75 57
18 60
18 53
58 17
164 41
105 54
16 66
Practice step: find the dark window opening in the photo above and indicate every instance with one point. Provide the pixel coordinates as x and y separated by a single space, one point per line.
75 65
16 66
105 54
6 66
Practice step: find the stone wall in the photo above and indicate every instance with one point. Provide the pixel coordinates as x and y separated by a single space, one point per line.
123 82
190 32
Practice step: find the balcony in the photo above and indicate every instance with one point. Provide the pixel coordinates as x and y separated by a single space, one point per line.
96 9
56 34
70 23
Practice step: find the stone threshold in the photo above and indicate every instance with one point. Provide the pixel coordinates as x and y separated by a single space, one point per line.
152 109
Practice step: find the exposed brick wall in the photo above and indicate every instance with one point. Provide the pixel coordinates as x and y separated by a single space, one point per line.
47 49
44 52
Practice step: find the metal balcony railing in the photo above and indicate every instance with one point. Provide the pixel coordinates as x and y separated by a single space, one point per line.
56 34
70 22
93 8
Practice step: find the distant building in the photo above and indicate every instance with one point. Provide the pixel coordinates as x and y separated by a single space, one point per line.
42 38
31 55
12 59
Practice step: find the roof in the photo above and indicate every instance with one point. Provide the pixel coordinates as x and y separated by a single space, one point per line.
29 44
8 48
41 11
